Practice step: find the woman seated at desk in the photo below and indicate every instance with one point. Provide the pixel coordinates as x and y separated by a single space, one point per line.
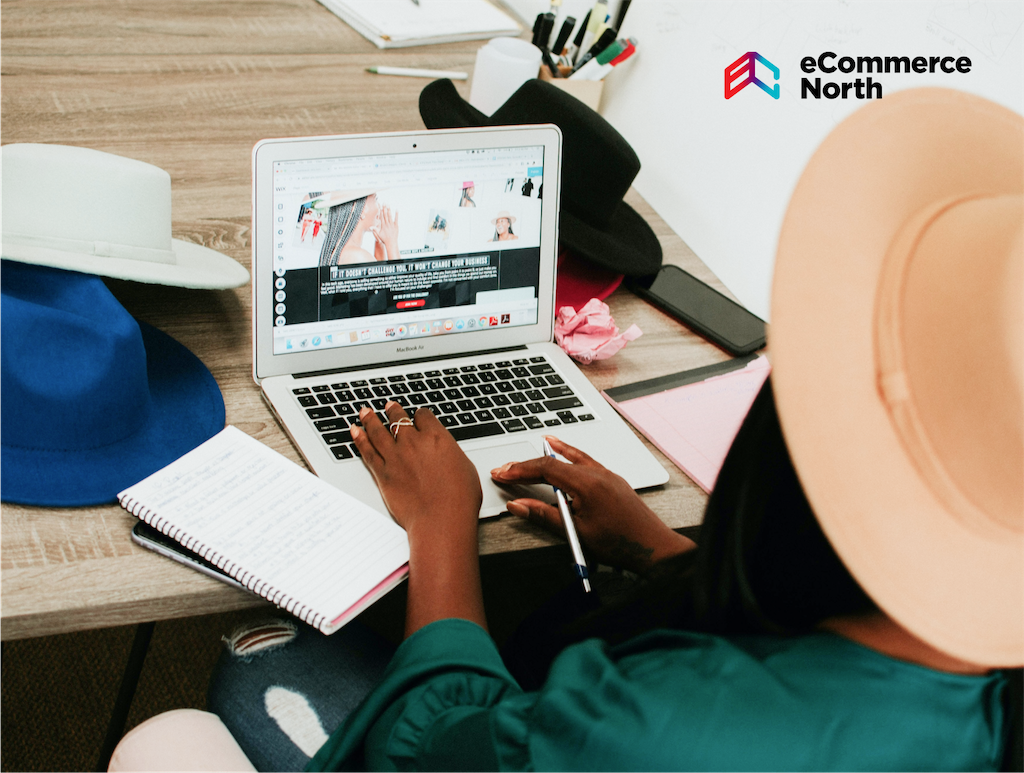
857 596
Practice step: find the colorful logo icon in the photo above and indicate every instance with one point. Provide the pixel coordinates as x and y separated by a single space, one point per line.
740 74
493 321
506 318
483 321
448 324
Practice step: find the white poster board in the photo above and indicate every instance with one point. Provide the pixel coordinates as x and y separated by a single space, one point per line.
721 171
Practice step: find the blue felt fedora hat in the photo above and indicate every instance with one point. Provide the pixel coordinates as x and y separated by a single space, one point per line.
93 401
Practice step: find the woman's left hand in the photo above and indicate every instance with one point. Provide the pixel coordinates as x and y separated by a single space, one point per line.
433 491
421 472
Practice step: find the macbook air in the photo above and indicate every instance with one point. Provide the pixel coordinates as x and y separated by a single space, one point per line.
420 267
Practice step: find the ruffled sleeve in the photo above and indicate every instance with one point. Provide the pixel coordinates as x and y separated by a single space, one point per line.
436 688
669 700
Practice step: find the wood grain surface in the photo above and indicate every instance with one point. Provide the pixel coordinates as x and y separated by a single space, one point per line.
190 86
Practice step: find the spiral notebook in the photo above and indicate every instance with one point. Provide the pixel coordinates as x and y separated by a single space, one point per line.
277 529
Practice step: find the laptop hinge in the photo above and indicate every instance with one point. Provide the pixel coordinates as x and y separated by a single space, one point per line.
378 365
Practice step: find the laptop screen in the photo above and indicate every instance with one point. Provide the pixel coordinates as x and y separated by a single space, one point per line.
369 249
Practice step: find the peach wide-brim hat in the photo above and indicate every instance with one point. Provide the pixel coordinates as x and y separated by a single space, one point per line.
897 342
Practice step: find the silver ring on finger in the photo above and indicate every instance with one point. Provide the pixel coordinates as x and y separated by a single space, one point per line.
394 426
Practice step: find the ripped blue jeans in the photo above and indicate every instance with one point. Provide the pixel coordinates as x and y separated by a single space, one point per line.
282 687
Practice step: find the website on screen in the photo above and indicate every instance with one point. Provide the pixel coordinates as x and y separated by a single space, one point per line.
375 248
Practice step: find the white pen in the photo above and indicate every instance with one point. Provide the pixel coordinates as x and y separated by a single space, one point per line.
415 73
570 529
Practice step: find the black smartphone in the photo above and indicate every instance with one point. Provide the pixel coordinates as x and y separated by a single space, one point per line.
145 535
702 309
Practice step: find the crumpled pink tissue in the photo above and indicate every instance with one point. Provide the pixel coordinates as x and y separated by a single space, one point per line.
590 333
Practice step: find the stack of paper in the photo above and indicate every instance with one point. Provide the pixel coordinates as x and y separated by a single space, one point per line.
398 23
693 416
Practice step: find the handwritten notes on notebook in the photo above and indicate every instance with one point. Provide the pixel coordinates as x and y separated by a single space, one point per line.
279 530
693 416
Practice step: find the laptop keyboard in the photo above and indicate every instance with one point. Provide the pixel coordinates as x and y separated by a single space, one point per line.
471 401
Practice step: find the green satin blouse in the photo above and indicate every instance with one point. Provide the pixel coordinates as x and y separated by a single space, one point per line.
669 700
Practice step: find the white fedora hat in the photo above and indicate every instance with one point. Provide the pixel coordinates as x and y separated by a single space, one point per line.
504 214
97 213
897 343
334 198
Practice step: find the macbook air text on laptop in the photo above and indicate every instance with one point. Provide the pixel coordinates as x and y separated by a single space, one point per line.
420 267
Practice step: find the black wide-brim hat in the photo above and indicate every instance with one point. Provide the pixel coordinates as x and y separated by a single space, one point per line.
598 166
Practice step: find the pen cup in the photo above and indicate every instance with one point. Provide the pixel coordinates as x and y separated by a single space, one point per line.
587 92
502 66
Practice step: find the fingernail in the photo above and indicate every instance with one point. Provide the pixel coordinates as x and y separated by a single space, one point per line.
355 431
364 412
518 509
389 403
499 471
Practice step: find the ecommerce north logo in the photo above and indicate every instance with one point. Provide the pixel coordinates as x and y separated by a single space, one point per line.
741 74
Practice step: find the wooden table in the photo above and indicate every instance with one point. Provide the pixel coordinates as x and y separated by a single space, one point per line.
191 85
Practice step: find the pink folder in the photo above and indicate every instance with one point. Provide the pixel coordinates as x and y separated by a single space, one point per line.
693 416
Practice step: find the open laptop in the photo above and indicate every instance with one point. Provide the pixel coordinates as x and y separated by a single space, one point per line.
420 267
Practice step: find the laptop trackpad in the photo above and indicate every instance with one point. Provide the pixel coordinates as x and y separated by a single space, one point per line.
495 497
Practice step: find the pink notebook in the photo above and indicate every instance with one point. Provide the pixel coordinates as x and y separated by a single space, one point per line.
693 416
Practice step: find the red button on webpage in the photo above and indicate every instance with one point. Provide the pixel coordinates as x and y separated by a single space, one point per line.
411 304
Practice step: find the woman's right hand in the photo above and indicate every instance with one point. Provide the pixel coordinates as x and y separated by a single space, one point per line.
617 528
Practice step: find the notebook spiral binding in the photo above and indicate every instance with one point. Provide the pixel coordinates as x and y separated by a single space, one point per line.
255 585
